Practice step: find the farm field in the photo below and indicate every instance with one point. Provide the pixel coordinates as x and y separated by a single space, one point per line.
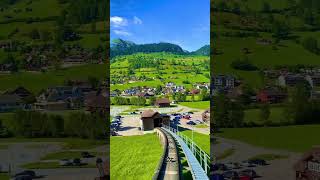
197 104
139 159
172 68
298 138
38 81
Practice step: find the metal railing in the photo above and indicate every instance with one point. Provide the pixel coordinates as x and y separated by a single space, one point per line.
202 157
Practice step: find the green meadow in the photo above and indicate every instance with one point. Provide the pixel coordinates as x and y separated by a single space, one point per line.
38 81
134 157
291 138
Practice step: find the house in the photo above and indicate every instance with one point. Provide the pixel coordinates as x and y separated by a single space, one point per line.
290 79
308 167
51 106
223 82
270 95
195 91
151 119
20 91
146 94
10 102
96 102
163 102
206 115
60 93
314 80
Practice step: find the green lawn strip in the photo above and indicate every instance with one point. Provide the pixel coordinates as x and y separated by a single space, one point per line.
201 126
298 138
68 143
202 140
134 157
4 176
186 173
226 154
196 104
53 165
268 157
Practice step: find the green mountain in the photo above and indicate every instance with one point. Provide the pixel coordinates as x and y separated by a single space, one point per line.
204 51
122 47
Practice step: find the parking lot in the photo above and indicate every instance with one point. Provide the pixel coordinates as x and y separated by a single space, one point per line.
281 168
129 124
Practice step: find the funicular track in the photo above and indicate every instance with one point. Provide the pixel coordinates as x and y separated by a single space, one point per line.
169 166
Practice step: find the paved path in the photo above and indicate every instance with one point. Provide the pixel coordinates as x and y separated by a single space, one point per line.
278 169
68 174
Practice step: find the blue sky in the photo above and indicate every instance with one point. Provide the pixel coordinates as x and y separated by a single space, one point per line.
182 22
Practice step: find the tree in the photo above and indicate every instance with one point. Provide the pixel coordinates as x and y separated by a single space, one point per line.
265 113
281 30
311 44
93 27
34 34
266 7
94 82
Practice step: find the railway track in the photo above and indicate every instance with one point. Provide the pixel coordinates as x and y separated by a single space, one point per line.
170 167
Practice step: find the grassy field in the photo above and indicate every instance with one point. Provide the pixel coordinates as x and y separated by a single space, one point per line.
134 157
4 176
197 104
202 140
67 143
253 115
38 81
291 138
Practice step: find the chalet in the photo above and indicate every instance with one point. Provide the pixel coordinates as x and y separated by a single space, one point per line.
291 79
5 45
314 80
51 106
270 95
206 115
163 102
74 59
315 95
234 93
60 93
146 94
195 91
151 119
96 102
10 102
19 91
308 167
223 82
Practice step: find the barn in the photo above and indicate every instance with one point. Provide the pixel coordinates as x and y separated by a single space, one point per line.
151 119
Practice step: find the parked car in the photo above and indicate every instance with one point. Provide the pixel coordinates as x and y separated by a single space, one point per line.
30 173
190 112
233 165
198 121
247 164
118 117
186 117
245 178
87 155
191 123
65 162
76 161
22 177
219 166
217 177
231 175
248 172
260 162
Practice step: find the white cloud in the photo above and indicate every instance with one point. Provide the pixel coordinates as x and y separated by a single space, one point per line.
137 20
117 21
122 33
